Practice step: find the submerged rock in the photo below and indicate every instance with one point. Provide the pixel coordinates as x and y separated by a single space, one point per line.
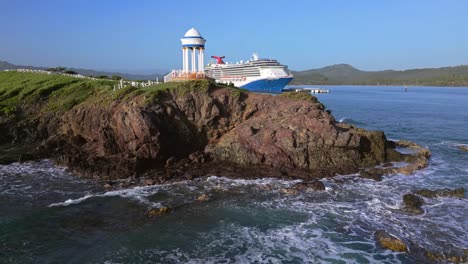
158 211
389 241
460 193
203 198
290 191
412 203
311 186
148 182
463 147
447 254
373 173
418 159
454 258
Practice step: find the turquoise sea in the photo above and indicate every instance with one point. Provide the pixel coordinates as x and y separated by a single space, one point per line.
48 215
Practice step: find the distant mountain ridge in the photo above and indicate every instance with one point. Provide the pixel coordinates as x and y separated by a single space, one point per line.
346 74
4 65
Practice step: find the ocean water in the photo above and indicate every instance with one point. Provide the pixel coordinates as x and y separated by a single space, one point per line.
48 215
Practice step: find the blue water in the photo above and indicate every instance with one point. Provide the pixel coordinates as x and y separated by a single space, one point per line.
50 216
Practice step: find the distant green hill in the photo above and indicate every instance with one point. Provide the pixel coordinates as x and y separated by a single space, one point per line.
347 74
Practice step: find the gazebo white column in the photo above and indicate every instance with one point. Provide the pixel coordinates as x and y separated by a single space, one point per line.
184 59
187 51
201 67
194 52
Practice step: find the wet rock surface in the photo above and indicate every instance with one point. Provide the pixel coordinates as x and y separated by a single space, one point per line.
450 254
463 148
389 241
203 198
412 203
460 193
416 160
159 211
311 186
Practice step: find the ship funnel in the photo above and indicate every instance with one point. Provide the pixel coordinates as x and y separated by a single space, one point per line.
219 59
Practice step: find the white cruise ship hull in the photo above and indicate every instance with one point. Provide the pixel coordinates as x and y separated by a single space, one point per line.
259 84
258 75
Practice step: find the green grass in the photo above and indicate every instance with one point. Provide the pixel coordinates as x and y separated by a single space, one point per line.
157 92
302 95
19 90
53 92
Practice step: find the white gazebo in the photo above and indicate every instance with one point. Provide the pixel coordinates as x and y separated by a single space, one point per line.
193 47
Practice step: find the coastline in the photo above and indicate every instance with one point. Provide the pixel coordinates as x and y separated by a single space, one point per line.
168 130
255 115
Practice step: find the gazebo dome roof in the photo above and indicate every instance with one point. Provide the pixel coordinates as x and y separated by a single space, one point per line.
192 33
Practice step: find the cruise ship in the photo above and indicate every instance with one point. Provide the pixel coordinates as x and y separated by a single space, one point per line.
257 74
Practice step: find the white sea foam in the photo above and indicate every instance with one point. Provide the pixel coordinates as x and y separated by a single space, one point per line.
73 201
336 225
451 144
344 119
303 243
260 181
136 193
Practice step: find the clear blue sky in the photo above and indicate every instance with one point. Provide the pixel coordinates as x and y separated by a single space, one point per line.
145 35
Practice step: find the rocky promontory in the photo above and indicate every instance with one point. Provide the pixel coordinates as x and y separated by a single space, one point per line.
187 130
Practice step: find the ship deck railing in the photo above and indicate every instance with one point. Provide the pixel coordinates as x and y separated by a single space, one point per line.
179 75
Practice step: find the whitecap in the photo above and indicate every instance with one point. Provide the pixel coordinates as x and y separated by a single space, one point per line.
137 193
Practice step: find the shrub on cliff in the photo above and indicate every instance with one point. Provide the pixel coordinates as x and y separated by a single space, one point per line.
303 95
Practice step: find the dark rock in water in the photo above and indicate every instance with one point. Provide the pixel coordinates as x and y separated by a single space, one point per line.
418 159
389 241
148 182
450 254
315 186
290 191
463 147
460 193
387 164
302 186
158 211
311 186
412 203
203 198
373 174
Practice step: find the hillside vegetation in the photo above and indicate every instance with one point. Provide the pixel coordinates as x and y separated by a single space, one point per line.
20 91
347 74
54 92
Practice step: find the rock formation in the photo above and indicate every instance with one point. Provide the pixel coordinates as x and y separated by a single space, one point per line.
463 147
206 129
460 193
389 241
412 203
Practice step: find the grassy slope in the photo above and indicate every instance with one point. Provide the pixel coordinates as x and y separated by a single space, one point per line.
60 93
55 92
